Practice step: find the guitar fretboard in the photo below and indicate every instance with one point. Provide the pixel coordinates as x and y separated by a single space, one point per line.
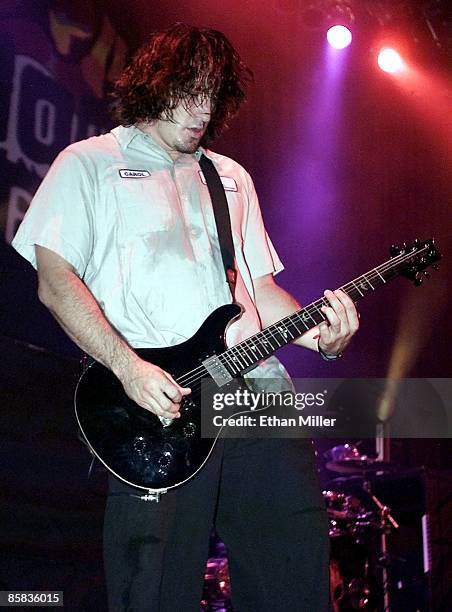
244 356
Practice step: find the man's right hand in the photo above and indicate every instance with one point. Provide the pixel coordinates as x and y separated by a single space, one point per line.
153 389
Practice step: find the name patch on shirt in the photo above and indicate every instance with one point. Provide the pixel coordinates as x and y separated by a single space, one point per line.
125 173
229 183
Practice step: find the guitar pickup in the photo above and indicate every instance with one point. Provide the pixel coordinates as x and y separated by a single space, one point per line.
217 370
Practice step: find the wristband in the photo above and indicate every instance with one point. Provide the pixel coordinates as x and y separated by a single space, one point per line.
327 356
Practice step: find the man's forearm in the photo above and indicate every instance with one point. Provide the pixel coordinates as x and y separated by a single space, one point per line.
78 313
331 337
274 303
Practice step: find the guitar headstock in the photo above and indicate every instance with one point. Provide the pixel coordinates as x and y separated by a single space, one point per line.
416 258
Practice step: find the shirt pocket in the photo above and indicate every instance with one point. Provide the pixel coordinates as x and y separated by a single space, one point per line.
143 207
235 205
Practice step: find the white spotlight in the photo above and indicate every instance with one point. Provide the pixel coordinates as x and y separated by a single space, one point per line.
390 60
339 37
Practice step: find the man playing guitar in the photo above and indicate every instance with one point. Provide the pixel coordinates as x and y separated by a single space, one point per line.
124 240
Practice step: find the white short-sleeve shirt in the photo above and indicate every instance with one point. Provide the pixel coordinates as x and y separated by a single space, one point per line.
139 230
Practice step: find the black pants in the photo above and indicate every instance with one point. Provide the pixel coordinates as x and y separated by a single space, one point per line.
264 500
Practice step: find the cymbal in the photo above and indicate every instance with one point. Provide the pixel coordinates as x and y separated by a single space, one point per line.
354 466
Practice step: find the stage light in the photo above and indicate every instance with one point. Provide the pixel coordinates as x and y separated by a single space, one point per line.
339 37
390 60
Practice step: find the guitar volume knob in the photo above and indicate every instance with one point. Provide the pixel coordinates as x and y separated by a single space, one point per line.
165 460
189 430
139 445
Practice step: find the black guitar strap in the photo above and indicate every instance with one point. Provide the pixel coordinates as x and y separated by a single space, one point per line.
222 218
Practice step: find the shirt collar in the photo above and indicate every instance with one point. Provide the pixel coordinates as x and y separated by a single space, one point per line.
126 135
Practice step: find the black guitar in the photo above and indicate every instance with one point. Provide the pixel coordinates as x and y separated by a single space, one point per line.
137 447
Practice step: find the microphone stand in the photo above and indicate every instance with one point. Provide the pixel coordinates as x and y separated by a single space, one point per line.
386 520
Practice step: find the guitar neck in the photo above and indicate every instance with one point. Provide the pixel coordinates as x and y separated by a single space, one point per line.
242 357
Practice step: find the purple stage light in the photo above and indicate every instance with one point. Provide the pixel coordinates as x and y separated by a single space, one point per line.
339 37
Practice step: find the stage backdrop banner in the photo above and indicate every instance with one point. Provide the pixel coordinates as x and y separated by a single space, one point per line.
57 66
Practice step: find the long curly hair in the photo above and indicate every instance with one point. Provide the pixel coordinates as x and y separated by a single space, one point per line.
178 65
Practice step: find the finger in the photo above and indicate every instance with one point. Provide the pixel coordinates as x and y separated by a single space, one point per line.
336 305
166 408
174 391
350 309
154 395
154 406
346 311
333 320
165 403
324 332
169 414
344 298
156 401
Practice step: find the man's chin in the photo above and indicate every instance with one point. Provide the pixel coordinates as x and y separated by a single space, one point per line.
190 147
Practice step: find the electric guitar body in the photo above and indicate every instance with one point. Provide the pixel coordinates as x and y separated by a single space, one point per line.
132 442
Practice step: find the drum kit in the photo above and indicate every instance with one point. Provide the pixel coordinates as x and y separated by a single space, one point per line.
359 524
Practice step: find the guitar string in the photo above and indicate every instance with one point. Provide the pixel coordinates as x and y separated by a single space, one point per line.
310 309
